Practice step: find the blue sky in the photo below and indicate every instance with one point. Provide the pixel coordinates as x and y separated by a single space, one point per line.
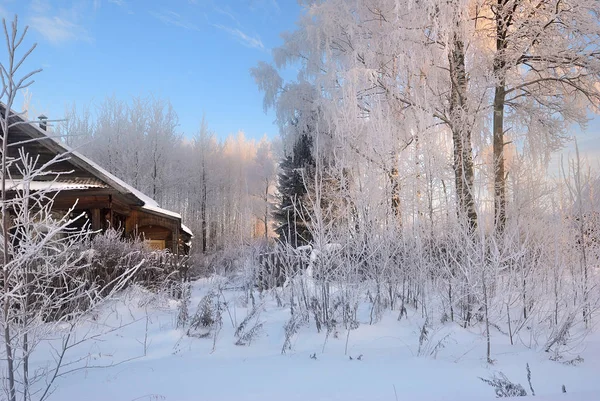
196 53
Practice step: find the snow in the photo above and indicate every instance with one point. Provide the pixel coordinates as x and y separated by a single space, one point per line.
160 210
46 185
144 198
149 203
304 248
177 367
187 229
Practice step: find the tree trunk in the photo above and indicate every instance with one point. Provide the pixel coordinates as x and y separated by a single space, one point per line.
498 119
394 177
203 208
487 316
461 136
498 160
510 333
267 212
204 225
5 260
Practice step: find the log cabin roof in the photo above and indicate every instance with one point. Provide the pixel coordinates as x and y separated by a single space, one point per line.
70 184
77 171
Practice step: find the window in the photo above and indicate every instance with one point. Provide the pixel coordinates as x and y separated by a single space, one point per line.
156 244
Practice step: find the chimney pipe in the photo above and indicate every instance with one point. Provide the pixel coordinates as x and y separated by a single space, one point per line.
43 122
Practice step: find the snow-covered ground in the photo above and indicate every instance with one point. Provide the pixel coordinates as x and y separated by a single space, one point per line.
178 367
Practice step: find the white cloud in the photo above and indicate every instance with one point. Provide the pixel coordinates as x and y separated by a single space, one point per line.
265 5
59 30
40 6
172 18
59 25
227 12
246 40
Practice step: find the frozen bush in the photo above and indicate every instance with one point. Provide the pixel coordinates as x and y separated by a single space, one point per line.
504 387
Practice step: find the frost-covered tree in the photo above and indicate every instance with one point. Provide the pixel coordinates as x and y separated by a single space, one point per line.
160 144
546 65
12 83
406 99
217 185
264 175
295 170
391 74
45 291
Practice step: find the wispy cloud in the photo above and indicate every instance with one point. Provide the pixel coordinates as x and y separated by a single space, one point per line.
174 19
40 6
246 40
123 5
58 30
265 5
59 25
227 12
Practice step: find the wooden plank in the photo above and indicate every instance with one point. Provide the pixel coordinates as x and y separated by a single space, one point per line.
96 219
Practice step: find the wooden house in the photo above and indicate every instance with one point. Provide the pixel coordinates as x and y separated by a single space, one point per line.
106 200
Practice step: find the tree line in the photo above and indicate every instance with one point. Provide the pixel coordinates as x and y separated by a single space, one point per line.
416 144
430 128
222 188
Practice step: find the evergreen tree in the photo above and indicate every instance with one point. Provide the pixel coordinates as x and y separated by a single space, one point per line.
295 170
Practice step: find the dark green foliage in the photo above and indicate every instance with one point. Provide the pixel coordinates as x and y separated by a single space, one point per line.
296 170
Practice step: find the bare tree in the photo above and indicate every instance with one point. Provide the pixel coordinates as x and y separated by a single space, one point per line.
12 83
44 259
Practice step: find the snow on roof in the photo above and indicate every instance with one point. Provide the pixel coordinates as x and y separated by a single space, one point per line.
166 212
160 210
13 185
104 175
148 203
187 229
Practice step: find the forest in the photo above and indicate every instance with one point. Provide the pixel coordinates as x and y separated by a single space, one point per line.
427 178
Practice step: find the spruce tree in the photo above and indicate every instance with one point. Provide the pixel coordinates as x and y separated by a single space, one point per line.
295 170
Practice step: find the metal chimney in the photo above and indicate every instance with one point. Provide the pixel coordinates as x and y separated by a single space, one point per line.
43 122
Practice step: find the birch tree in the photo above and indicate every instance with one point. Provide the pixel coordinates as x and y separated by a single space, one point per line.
546 65
263 175
392 60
